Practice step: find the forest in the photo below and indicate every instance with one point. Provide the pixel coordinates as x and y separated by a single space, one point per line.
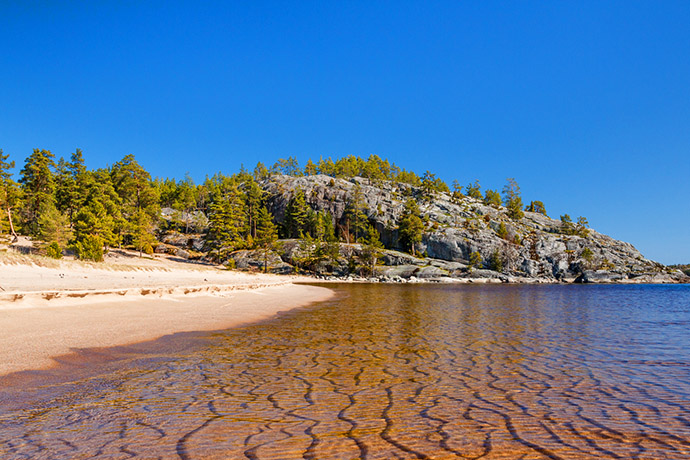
69 207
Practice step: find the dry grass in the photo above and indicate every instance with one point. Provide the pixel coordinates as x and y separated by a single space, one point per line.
118 260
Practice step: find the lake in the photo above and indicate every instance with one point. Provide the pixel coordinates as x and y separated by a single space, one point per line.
384 372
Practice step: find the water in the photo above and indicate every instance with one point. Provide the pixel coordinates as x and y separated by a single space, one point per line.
385 372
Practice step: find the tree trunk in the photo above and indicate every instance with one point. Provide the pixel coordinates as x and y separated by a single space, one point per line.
14 234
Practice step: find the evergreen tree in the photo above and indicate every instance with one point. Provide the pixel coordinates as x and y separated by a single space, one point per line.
54 226
98 222
139 198
536 206
296 215
10 194
567 227
512 199
310 168
253 197
502 231
372 250
457 192
582 227
226 222
266 234
475 260
38 185
496 261
492 198
355 217
260 172
185 200
411 225
473 190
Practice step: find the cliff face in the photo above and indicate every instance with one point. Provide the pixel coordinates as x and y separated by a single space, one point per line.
532 247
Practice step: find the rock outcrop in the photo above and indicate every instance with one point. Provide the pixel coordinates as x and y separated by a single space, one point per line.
533 248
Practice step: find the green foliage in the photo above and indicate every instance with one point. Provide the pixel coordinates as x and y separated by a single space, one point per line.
457 195
411 225
53 225
567 227
296 215
587 254
100 214
54 251
226 220
473 190
90 248
475 260
536 206
372 251
266 234
289 167
356 220
502 231
512 199
260 172
139 202
10 194
492 198
496 261
581 229
310 168
38 185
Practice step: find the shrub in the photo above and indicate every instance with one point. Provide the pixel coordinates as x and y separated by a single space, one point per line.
53 251
90 248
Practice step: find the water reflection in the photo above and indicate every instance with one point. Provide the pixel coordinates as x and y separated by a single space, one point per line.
399 372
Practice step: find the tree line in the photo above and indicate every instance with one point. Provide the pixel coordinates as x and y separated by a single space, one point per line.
67 205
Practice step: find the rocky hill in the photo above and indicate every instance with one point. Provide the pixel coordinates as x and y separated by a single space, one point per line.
532 248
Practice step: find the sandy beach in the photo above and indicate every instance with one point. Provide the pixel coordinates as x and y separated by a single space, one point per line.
49 311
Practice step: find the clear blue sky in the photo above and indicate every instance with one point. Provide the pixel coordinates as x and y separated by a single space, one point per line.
586 104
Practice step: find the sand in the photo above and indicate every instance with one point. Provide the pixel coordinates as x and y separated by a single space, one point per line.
49 311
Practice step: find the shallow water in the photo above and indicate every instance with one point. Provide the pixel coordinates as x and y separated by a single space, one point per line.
391 371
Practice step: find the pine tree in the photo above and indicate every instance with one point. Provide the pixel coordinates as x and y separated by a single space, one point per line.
54 226
536 206
372 250
226 221
310 168
266 234
296 215
475 260
185 200
253 197
38 185
457 192
473 190
502 231
411 225
512 199
492 198
356 219
133 184
10 194
98 222
260 172
567 227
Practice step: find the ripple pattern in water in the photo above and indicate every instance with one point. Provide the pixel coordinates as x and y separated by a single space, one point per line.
398 372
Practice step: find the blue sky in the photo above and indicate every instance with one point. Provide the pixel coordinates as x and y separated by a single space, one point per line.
586 104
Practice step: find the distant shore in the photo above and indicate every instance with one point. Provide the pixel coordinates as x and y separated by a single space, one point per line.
48 311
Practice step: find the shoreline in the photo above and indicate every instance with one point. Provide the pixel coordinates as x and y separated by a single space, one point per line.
37 334
50 312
